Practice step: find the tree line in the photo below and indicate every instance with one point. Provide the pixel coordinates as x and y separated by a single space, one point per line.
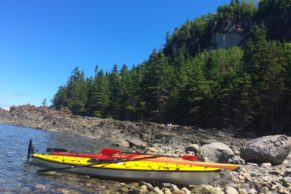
188 82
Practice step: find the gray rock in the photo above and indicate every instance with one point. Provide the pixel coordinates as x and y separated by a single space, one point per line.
123 189
178 192
252 164
158 190
185 190
242 191
264 190
236 160
192 148
148 185
266 165
167 191
64 191
134 184
231 190
144 188
253 191
135 141
123 143
174 187
286 181
254 174
275 172
209 189
216 152
289 156
153 150
273 149
287 172
40 186
246 187
166 185
137 191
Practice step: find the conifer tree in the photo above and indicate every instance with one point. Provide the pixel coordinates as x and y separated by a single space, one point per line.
77 92
98 97
156 85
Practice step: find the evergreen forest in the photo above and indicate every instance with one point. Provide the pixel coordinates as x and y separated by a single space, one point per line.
192 80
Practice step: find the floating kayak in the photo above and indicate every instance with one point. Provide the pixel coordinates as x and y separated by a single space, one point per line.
132 166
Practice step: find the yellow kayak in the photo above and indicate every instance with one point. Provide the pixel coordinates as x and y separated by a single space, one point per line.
137 169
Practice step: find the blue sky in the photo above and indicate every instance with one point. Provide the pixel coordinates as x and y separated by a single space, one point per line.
42 41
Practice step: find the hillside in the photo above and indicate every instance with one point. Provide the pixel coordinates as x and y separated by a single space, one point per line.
231 69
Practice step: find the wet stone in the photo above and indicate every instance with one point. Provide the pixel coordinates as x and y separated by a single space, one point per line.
40 187
64 191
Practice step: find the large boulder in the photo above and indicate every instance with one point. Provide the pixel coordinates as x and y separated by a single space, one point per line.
216 152
273 149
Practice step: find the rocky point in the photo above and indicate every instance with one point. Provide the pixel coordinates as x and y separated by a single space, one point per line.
265 161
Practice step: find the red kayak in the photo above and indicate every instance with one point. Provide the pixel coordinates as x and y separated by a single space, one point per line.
114 154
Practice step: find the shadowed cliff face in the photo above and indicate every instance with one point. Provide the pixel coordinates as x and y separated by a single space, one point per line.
226 40
229 33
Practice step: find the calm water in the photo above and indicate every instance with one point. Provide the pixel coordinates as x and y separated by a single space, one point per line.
17 176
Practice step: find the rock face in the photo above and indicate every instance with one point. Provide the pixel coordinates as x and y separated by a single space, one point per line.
216 152
273 149
227 40
230 32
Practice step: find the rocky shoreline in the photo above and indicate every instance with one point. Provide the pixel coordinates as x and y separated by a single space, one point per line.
266 166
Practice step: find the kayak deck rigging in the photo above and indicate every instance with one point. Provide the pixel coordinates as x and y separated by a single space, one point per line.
140 165
115 164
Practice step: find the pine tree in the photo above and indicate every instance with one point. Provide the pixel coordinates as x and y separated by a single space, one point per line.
60 99
77 92
98 97
266 68
156 86
114 91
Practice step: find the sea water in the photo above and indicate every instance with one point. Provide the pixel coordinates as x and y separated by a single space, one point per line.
19 176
